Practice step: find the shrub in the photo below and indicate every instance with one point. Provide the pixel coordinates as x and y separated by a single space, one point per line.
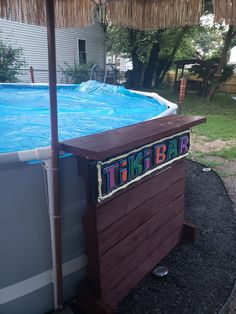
11 61
76 73
207 72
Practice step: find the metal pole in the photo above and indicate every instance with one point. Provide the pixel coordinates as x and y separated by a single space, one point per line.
50 11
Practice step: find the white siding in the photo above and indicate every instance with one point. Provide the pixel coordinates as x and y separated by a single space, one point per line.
33 40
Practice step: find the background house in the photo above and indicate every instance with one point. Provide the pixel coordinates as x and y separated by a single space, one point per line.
121 62
82 45
232 58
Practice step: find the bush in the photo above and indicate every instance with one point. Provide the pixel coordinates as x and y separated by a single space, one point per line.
11 61
207 72
76 73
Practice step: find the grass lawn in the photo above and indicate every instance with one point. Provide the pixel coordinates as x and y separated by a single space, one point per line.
221 119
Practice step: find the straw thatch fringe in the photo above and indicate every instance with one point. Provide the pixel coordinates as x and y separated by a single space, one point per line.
74 13
69 13
154 14
139 14
225 10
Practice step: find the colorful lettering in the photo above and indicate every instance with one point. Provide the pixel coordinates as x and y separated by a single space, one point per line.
123 171
139 163
172 149
110 176
135 165
183 144
160 153
147 159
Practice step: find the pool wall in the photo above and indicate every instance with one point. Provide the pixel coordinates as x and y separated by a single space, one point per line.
26 262
26 257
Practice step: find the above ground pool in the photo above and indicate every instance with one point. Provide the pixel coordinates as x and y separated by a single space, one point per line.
27 221
83 109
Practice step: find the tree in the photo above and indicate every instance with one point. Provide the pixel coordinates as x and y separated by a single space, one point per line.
228 42
230 35
153 52
11 62
207 70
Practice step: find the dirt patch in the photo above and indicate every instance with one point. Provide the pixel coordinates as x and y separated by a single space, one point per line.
225 168
201 144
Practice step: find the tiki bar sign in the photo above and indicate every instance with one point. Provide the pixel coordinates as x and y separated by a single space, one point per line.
119 172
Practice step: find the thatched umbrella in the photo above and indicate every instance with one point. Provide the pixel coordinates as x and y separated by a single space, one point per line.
139 14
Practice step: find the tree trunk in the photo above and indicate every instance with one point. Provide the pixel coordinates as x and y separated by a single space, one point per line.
151 66
136 75
168 64
216 81
149 74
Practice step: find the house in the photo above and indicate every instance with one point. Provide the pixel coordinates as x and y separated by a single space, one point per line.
82 45
122 63
232 58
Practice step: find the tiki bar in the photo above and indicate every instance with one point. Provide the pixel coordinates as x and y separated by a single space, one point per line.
135 203
90 216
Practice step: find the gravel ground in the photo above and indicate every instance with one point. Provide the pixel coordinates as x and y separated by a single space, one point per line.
201 275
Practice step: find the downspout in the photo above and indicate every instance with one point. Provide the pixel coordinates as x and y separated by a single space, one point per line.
56 213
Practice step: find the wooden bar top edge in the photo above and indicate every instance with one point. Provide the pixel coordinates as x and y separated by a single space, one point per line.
103 145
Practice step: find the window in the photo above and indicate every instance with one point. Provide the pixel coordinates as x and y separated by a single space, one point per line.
82 51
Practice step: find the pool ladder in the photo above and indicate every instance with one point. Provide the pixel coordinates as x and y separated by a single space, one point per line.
107 76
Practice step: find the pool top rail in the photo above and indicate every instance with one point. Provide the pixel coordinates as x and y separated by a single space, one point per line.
101 146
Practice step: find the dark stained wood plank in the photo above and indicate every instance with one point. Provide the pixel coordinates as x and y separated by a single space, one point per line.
88 303
128 223
91 248
189 232
127 245
101 146
133 197
122 269
142 269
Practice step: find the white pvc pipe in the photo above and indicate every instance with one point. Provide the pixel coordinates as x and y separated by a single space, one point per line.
40 153
49 169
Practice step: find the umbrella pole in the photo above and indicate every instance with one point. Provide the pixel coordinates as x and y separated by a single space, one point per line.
57 259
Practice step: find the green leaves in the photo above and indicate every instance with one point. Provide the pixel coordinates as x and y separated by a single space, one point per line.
11 62
76 73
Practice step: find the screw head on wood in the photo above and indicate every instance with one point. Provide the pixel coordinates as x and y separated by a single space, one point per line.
206 169
160 271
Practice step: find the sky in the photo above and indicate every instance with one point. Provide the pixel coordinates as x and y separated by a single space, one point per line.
232 58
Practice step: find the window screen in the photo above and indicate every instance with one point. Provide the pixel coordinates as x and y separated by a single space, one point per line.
82 51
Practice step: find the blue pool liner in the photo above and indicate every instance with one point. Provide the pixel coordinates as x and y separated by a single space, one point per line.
88 108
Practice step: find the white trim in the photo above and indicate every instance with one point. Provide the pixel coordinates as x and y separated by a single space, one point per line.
171 107
100 163
41 280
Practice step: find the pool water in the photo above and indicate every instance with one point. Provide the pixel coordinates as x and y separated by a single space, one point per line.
83 109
